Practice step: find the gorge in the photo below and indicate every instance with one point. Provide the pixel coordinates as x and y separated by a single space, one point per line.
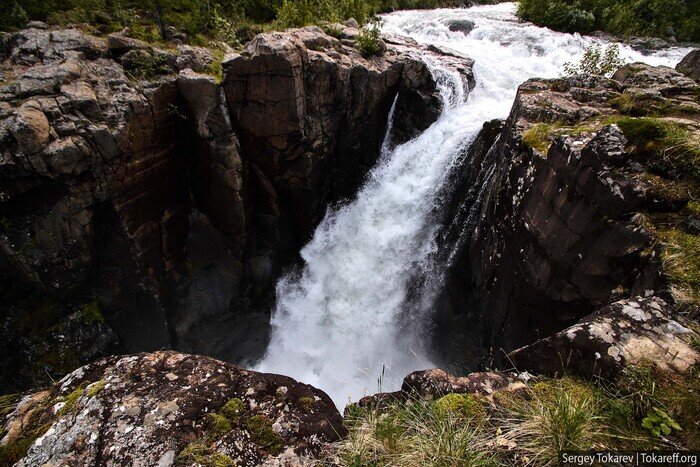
336 218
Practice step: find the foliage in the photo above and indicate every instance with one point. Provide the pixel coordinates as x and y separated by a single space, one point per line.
624 17
15 19
526 427
538 137
202 455
142 63
556 14
233 409
462 405
368 41
217 425
297 13
596 61
262 434
659 423
90 313
418 433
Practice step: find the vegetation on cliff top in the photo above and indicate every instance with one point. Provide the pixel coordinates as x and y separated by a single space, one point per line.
659 18
201 20
643 411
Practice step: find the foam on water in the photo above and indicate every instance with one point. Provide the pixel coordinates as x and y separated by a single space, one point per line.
342 319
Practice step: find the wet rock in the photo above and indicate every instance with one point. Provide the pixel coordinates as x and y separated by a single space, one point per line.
154 409
464 26
542 236
330 106
110 179
690 65
636 331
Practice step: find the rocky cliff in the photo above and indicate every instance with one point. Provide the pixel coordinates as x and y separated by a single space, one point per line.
154 208
585 196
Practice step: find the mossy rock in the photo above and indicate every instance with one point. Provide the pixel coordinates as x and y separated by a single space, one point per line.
217 425
200 454
233 409
261 433
306 403
464 406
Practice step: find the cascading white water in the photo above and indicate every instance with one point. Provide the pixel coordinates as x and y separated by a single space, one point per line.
337 322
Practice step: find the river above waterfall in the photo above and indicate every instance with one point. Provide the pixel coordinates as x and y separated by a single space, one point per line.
342 322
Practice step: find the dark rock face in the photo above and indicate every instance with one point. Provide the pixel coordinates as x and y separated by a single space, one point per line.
628 332
148 409
537 240
690 65
461 25
330 106
172 201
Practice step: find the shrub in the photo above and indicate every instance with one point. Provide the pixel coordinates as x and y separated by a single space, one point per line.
596 61
298 13
623 17
16 18
368 41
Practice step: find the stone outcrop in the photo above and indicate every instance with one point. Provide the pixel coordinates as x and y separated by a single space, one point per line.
435 383
637 331
171 201
331 107
168 408
690 65
543 226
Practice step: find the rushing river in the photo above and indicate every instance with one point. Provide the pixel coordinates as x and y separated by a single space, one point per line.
340 322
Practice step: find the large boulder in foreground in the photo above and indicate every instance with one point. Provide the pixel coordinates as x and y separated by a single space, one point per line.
690 65
168 408
637 331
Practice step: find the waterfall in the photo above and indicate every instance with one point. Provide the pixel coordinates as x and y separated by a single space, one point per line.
343 319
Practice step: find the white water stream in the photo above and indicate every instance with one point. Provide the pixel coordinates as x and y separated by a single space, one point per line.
336 324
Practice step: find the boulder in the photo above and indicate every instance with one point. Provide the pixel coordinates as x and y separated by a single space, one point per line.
690 65
435 383
167 408
635 331
195 58
464 26
119 43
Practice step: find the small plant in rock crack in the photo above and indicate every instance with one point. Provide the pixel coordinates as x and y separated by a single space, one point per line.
596 61
660 423
368 41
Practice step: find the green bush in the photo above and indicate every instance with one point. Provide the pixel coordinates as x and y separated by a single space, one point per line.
596 61
624 17
368 41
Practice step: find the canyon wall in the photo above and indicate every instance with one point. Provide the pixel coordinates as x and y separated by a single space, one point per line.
156 209
555 215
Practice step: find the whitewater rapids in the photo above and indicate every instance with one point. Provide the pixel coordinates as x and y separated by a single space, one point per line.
340 323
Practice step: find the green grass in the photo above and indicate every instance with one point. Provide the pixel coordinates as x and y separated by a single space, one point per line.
90 313
529 427
200 454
